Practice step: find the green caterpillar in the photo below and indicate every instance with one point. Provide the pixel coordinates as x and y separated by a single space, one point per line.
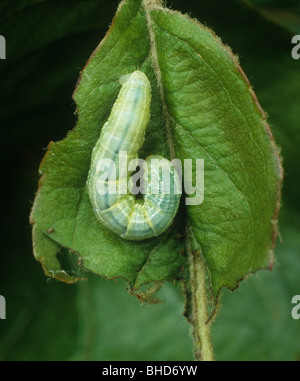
123 134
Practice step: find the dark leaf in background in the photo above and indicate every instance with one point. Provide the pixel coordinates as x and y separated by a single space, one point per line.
45 320
285 13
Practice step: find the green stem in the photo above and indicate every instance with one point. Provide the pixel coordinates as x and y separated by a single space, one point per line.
203 347
203 350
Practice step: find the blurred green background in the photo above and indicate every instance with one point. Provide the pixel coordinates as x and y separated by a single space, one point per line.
48 43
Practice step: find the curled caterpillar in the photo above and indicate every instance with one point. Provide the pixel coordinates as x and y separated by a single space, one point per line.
121 138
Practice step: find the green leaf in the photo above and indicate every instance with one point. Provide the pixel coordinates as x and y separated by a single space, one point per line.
73 223
215 116
203 107
274 75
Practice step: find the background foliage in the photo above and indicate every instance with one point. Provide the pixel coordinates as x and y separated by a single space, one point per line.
48 43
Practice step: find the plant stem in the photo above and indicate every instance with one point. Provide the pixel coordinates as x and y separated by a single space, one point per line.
199 314
203 350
